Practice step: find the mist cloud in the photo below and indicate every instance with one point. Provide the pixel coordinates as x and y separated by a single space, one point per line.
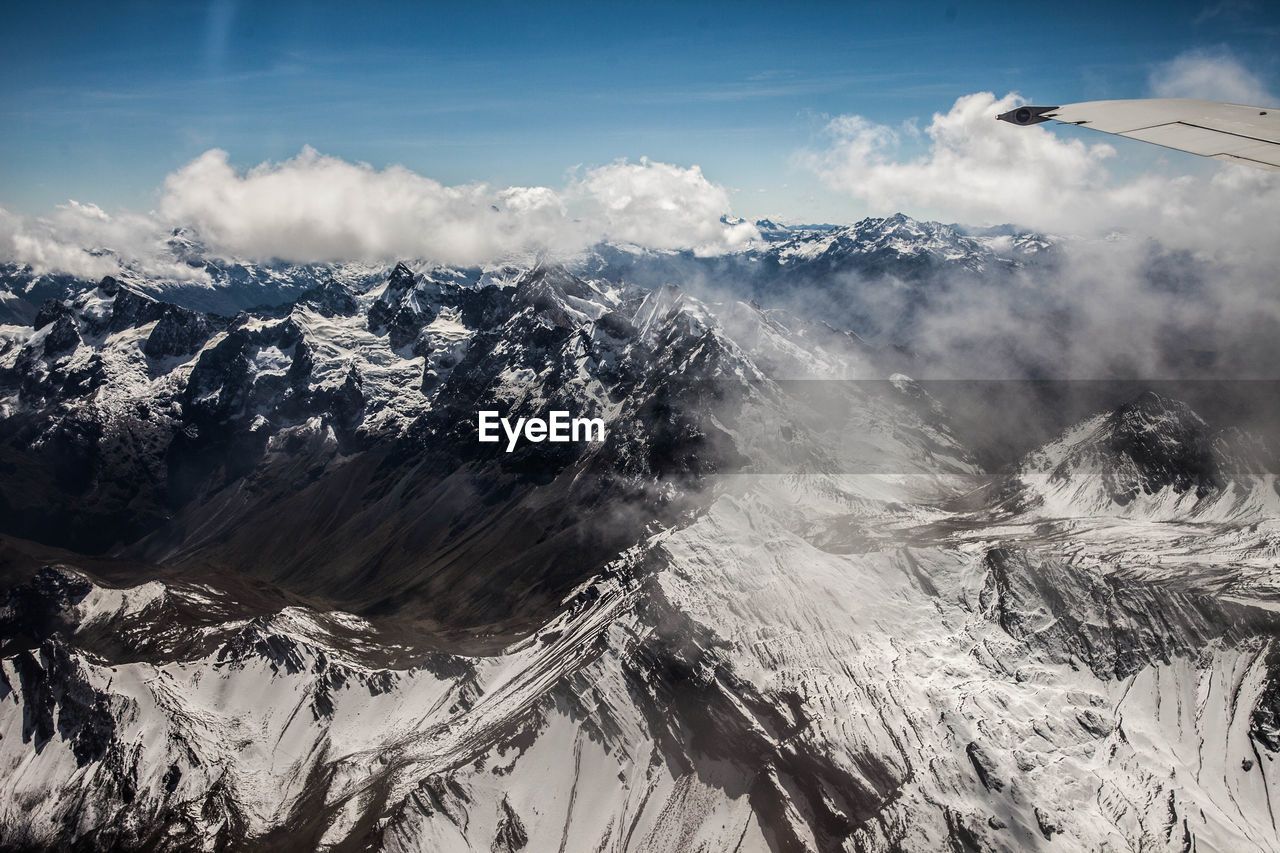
974 171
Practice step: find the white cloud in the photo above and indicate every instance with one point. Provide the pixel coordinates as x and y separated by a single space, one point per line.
659 205
1210 76
975 169
319 208
85 241
315 207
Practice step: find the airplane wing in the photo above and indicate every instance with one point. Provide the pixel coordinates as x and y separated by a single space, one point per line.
1233 133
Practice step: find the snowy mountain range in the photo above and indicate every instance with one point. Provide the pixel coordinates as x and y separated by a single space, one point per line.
897 246
264 589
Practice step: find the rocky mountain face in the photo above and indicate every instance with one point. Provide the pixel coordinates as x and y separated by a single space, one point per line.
265 589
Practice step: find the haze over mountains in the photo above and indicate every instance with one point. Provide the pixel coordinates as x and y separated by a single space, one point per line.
265 589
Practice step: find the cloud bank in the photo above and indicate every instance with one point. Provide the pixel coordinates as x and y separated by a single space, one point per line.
315 207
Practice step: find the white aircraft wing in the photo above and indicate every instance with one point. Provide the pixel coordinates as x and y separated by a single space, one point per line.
1231 132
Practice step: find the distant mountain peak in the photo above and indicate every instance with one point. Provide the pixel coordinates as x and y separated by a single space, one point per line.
772 231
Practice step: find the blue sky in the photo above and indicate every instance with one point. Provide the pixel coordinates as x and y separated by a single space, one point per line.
100 102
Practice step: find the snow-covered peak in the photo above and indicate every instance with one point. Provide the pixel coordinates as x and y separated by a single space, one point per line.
1151 458
896 241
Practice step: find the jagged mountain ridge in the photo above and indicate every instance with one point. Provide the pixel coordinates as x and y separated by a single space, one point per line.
898 248
795 643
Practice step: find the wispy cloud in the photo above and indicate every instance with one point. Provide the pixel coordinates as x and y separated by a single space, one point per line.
1211 75
767 85
1232 9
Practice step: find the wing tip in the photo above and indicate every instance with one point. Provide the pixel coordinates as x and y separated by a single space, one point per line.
1026 115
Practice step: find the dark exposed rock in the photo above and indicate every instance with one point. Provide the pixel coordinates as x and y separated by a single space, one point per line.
1048 826
331 299
1094 723
1169 445
50 311
1150 444
985 766
54 687
511 835
179 332
62 338
346 402
131 309
1264 721
36 610
399 312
